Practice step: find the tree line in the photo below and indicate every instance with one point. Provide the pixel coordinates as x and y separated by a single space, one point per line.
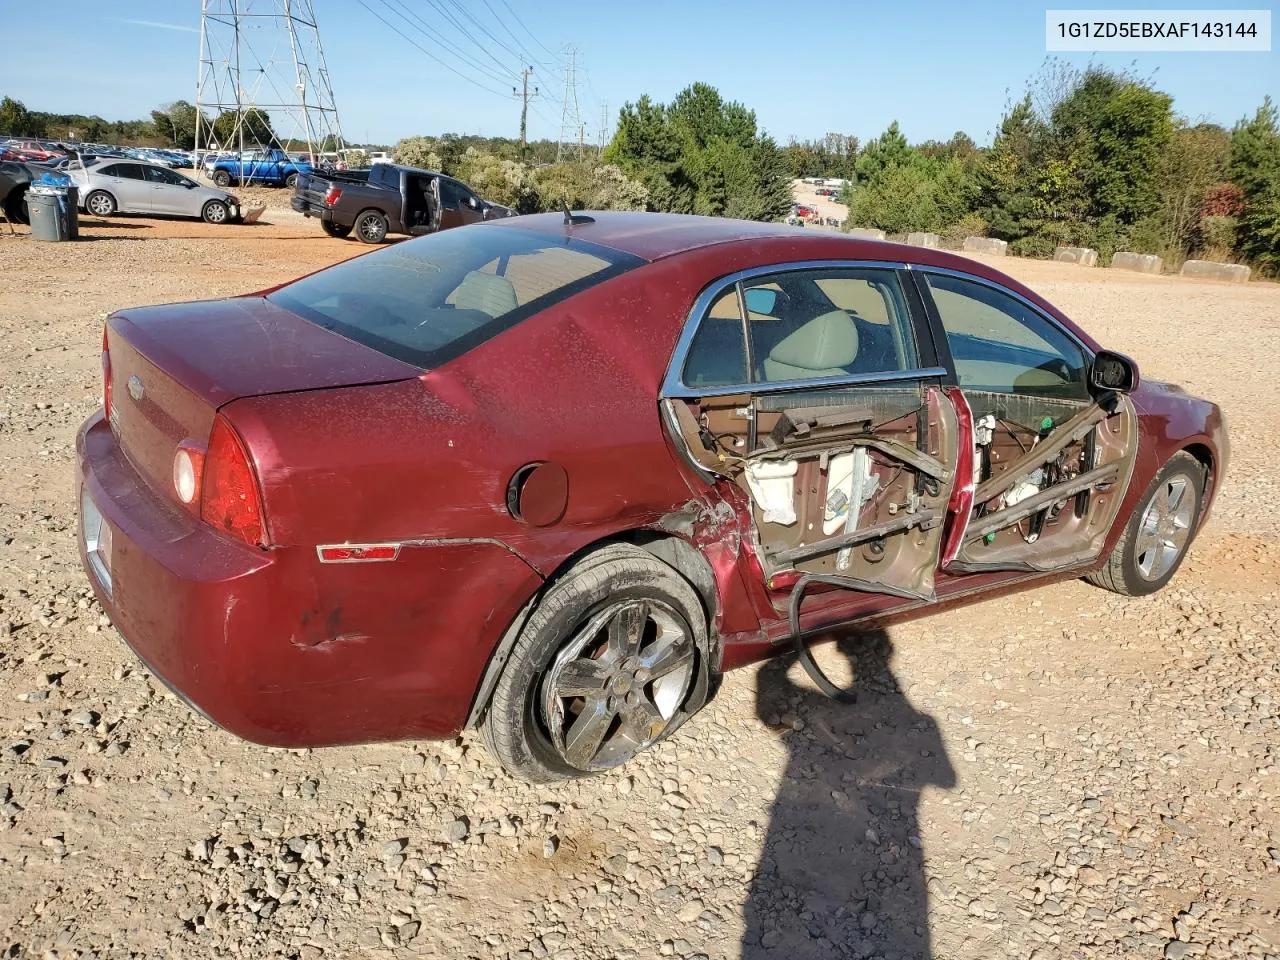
1092 157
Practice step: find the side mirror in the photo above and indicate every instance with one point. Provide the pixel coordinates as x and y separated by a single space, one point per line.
761 300
1114 372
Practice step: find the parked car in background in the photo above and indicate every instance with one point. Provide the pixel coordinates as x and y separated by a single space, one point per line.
390 199
35 149
130 186
15 178
272 167
552 476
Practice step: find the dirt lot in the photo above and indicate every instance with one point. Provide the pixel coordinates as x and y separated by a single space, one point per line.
1062 774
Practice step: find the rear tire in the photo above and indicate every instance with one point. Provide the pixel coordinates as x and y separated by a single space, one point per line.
337 230
1159 533
100 203
641 690
371 227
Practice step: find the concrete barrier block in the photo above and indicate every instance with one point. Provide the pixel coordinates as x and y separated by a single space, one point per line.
1085 256
1141 262
1208 270
924 240
866 233
988 245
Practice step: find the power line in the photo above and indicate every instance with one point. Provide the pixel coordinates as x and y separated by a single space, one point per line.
527 54
516 16
403 36
467 35
488 72
485 30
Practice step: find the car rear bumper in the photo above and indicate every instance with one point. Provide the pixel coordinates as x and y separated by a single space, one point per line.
275 647
308 209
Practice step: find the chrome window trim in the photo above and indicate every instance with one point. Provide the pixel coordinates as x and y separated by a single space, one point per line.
1001 288
673 385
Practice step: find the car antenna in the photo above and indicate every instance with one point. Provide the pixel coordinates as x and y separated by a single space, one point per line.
570 218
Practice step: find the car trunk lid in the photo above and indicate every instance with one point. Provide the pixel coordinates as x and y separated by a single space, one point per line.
172 367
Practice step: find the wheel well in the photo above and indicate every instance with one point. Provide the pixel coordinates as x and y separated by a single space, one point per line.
676 553
1205 458
13 202
369 210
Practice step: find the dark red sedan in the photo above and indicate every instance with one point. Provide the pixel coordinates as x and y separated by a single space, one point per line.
552 478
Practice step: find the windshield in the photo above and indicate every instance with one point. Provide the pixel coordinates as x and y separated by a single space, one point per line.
428 300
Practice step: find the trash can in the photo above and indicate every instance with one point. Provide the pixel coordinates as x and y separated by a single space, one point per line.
53 212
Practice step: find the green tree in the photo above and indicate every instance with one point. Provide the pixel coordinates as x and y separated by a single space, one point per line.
17 121
176 123
702 154
256 126
1255 169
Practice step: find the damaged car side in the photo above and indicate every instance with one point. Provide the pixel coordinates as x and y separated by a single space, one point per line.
553 476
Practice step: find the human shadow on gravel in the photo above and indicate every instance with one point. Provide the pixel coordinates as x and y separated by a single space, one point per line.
842 872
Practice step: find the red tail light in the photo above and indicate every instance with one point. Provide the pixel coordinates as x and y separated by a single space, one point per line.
230 498
106 376
332 196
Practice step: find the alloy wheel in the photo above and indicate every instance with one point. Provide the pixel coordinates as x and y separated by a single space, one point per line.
1165 528
617 685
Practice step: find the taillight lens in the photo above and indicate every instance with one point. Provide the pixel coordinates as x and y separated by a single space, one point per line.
332 196
106 376
188 469
230 499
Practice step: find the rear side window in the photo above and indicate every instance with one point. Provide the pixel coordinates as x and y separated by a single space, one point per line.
429 300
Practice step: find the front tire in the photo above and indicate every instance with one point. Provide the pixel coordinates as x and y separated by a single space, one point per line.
100 203
215 211
291 181
371 227
337 230
222 178
610 662
1157 536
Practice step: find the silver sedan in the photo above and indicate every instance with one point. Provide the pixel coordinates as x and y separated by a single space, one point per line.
111 186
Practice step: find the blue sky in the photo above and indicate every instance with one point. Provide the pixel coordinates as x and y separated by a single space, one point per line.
936 68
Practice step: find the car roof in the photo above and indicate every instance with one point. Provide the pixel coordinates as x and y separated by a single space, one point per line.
655 236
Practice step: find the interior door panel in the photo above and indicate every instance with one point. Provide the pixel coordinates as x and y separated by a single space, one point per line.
1051 457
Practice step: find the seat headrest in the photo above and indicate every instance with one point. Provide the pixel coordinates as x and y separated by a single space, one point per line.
487 293
825 342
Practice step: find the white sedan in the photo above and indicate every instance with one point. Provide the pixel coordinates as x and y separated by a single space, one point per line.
111 186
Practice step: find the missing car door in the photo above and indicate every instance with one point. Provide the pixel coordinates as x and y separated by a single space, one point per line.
805 388
1052 455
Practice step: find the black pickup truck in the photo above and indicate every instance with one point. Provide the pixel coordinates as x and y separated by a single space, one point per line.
389 199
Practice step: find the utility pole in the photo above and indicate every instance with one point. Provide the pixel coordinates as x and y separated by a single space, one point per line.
604 125
570 115
525 96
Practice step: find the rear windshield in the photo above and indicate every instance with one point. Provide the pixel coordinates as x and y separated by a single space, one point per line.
429 300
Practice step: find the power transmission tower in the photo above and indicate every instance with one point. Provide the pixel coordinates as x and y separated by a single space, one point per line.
525 96
570 116
264 56
604 125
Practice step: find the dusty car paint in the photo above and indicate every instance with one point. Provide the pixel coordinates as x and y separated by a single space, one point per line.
283 649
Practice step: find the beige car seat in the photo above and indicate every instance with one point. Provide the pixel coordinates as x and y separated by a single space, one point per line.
823 347
487 293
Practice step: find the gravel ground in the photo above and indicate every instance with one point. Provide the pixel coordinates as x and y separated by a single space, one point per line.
1061 774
